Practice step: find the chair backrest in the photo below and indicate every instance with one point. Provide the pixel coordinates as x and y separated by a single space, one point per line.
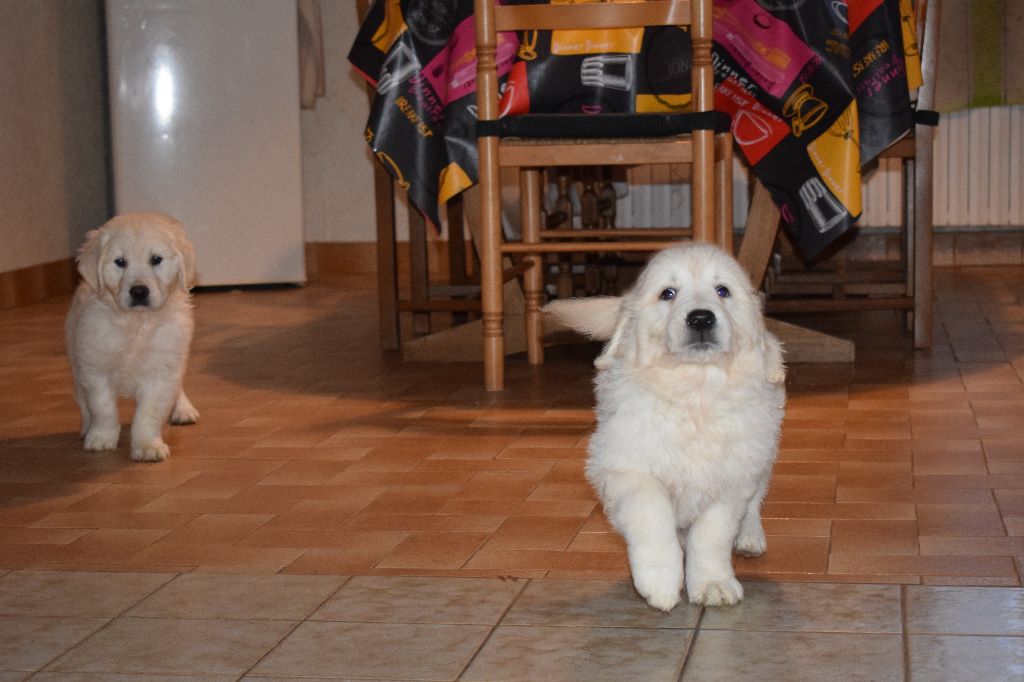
492 18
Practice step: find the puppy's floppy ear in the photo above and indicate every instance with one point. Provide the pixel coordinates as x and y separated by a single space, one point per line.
186 260
760 351
771 353
600 318
624 345
769 347
596 316
89 257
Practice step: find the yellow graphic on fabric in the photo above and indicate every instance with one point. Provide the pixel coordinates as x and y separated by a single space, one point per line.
911 50
646 104
803 109
595 41
393 26
452 180
528 46
836 155
395 170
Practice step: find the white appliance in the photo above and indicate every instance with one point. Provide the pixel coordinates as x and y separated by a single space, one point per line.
205 127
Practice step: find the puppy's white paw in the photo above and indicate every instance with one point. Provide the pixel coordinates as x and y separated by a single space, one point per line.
184 413
101 439
152 451
659 587
751 544
725 592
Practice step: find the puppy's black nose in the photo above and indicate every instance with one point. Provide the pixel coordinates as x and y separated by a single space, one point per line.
700 319
139 292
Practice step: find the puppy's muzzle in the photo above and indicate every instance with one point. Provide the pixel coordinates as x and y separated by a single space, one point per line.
139 295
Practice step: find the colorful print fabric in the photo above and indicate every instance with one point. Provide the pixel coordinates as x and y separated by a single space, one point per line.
815 88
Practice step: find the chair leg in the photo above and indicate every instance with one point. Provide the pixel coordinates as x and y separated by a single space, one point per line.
703 187
723 192
533 279
457 272
908 239
759 235
419 270
923 237
491 281
387 264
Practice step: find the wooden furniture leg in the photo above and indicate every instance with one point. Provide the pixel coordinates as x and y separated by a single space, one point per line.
923 170
458 273
419 269
723 202
759 236
922 231
533 279
387 260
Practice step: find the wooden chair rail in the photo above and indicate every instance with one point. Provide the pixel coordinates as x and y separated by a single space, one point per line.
620 233
637 152
595 16
595 247
840 304
436 305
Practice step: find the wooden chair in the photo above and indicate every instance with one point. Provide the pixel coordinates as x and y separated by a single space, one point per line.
533 142
908 288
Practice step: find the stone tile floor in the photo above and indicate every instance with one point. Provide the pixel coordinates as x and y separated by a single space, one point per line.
74 625
895 517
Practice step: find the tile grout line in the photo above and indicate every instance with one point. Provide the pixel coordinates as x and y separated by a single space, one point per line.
71 648
691 643
494 627
907 671
103 627
295 627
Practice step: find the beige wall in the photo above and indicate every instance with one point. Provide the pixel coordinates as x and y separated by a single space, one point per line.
53 136
53 177
337 167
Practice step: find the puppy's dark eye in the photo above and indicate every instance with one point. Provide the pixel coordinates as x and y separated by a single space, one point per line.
667 294
723 291
156 260
120 262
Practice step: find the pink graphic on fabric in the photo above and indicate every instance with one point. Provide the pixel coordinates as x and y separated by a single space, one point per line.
766 47
452 73
882 73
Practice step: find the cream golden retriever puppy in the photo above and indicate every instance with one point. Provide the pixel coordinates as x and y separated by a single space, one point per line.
690 400
129 330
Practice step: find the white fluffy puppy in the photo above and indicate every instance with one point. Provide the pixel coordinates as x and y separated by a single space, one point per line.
690 399
129 330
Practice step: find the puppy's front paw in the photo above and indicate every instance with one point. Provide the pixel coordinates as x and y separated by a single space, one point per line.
725 592
97 439
751 544
184 414
151 451
660 587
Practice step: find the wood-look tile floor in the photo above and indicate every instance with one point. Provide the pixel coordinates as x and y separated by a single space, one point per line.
337 514
316 453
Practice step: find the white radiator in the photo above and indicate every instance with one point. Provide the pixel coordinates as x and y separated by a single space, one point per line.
659 196
979 174
978 183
